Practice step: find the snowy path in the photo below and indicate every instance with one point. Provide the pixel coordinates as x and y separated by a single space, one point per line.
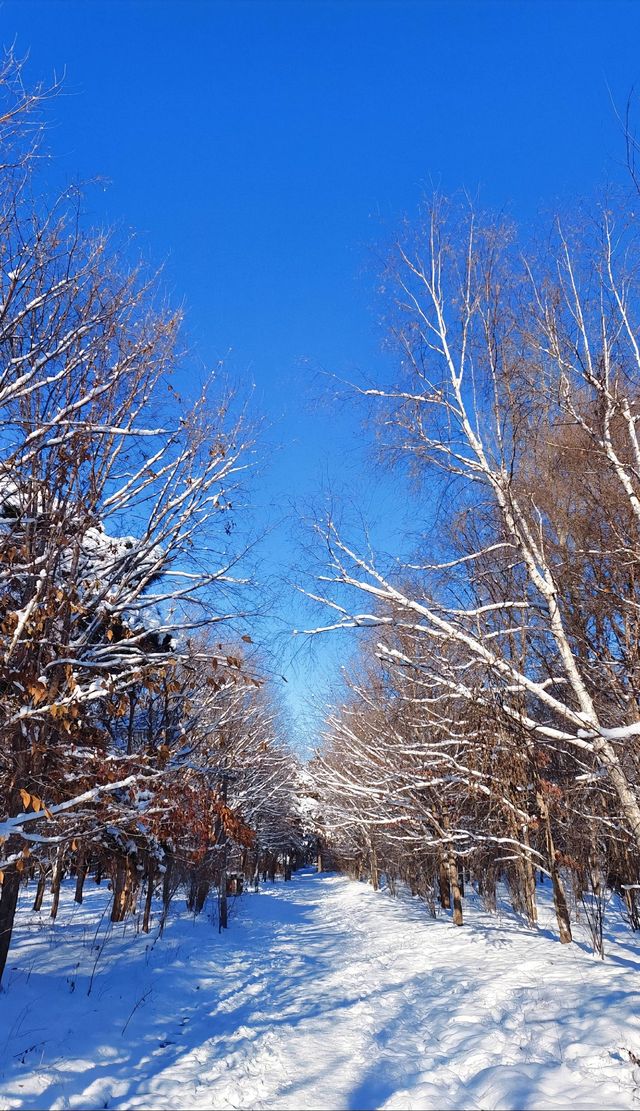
321 995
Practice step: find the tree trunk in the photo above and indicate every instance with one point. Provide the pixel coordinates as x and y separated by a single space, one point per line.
632 908
202 890
529 881
146 918
530 890
443 885
42 883
224 910
166 892
191 897
118 892
8 903
81 875
560 904
56 882
198 890
375 878
487 882
222 841
124 889
559 898
523 889
455 891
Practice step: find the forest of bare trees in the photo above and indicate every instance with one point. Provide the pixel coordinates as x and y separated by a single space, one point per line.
489 728
491 725
140 746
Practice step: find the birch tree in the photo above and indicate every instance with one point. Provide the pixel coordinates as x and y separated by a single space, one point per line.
519 390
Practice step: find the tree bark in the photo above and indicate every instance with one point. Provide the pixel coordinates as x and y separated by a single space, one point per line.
224 910
559 898
125 887
443 885
146 918
56 882
166 891
529 875
42 883
8 903
117 907
375 878
81 875
455 891
222 841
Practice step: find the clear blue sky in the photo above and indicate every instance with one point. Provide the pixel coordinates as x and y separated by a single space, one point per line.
266 149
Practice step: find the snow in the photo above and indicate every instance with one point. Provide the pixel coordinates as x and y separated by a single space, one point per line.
322 994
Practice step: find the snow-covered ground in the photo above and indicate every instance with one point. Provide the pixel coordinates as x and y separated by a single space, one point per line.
323 994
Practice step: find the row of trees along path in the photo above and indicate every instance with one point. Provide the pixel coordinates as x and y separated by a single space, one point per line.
491 723
139 740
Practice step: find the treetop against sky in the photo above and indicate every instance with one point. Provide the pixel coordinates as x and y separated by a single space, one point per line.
267 152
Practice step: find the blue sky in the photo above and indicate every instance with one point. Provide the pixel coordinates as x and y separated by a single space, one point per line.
267 151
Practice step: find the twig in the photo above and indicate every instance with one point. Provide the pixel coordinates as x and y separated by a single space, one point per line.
141 1000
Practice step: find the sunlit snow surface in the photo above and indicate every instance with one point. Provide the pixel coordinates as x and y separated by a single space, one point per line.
323 994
